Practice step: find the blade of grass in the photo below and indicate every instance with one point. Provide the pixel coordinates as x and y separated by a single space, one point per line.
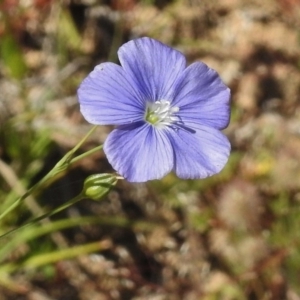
30 233
55 256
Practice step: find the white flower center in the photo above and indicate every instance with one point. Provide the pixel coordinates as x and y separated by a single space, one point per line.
161 113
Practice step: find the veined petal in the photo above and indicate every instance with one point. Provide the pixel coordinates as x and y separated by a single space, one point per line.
199 152
108 97
202 97
139 152
154 65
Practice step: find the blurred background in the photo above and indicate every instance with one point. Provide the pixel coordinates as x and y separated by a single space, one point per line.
233 236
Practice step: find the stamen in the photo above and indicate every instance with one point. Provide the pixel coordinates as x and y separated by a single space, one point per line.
161 113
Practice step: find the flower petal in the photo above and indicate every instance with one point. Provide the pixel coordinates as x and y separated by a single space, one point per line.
202 97
108 97
139 152
199 152
154 65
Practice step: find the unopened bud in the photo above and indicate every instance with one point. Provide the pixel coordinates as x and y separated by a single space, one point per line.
98 185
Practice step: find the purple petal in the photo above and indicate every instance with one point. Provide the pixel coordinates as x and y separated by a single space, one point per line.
109 97
199 153
202 97
139 152
154 65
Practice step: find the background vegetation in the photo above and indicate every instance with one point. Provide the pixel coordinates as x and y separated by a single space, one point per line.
234 236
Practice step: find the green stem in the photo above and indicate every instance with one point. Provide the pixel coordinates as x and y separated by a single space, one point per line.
46 215
59 168
85 154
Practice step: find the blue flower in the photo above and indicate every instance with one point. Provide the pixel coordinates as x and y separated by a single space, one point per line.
168 116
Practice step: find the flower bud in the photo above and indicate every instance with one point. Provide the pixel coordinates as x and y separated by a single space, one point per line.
98 185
